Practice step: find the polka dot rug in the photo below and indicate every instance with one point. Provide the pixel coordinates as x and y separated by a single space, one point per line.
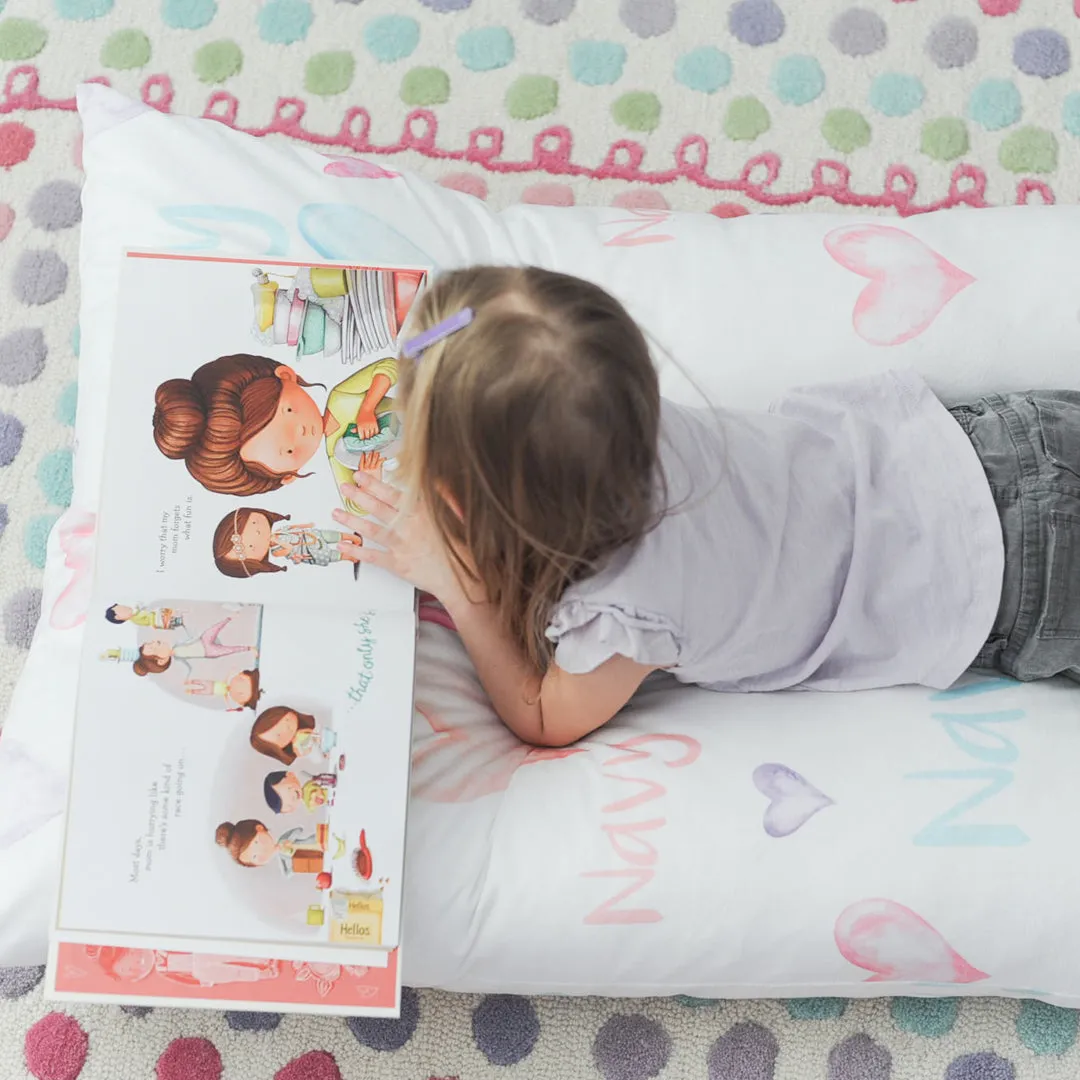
727 106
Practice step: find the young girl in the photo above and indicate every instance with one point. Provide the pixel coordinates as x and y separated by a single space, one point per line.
245 540
286 734
250 844
286 792
157 655
240 691
583 533
245 425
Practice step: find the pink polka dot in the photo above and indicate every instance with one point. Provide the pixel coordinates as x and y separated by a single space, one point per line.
549 195
728 209
76 150
16 142
7 219
640 199
1000 7
189 1059
317 1065
466 183
56 1047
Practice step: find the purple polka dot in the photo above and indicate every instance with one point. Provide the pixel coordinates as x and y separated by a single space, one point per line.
253 1021
11 437
20 617
3 525
1044 53
55 206
22 356
39 277
952 43
859 1058
138 1011
984 1066
756 22
858 32
747 1052
505 1028
631 1048
17 982
446 5
388 1035
547 12
647 18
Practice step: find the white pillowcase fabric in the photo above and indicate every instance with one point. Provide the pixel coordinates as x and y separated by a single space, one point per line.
883 842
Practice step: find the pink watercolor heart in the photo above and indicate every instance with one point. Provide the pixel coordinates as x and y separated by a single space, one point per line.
7 219
910 283
794 800
894 943
356 168
76 532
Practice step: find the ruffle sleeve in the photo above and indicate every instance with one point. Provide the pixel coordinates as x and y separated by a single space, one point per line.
587 633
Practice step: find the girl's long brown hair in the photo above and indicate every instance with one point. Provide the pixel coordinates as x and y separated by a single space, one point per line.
266 720
531 436
205 420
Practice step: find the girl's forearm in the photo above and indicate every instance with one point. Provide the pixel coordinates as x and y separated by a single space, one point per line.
380 386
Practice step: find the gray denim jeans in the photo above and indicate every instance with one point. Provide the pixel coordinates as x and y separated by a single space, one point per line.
1029 445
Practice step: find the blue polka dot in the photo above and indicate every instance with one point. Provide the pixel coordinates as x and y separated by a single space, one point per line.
486 49
3 506
391 37
597 63
893 94
54 477
82 9
188 14
995 103
822 1008
930 1017
1070 113
36 538
282 22
1046 1029
76 340
65 404
705 69
797 80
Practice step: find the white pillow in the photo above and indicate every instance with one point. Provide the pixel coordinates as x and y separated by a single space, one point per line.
977 302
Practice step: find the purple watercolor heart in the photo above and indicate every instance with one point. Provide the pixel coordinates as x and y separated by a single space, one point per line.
793 799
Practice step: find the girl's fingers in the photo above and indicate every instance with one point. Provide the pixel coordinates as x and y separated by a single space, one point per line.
378 509
379 488
368 528
372 556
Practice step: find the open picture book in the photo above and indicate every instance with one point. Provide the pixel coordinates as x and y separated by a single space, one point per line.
240 766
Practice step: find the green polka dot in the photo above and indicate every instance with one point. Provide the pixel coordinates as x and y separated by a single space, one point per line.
822 1008
638 110
425 86
1046 1029
486 48
930 1017
531 96
945 138
54 477
845 130
36 538
1029 149
217 61
746 118
696 1002
391 37
66 403
329 73
21 38
126 49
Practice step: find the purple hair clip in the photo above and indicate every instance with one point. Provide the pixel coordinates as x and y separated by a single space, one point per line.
412 348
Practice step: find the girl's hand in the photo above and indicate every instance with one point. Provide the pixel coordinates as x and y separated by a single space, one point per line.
371 461
411 547
367 423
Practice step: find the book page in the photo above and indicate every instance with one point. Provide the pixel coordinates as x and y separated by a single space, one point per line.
240 401
242 783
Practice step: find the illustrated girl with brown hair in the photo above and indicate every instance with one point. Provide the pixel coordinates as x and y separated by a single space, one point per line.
246 541
285 734
250 843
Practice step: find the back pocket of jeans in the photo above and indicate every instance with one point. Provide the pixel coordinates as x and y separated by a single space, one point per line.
1059 425
1061 618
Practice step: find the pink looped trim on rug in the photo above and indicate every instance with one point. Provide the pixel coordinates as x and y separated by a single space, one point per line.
552 153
